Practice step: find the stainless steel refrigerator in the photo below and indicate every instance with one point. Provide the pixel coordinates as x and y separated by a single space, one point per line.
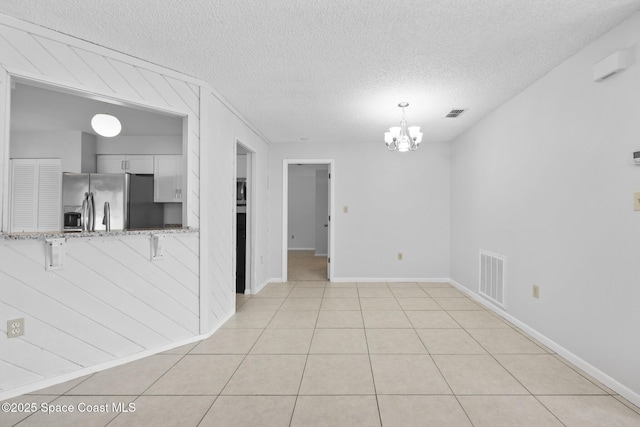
114 201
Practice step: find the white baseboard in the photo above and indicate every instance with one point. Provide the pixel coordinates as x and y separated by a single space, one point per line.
39 385
265 283
596 373
391 279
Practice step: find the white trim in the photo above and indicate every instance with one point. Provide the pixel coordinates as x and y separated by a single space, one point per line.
265 283
204 286
110 364
302 249
285 210
251 252
596 373
393 279
5 125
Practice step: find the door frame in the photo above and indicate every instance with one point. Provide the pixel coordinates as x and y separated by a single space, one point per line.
285 211
250 255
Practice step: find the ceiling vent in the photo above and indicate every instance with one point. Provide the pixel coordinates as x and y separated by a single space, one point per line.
454 113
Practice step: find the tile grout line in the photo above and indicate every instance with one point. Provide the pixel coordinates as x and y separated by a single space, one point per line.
373 378
306 361
455 396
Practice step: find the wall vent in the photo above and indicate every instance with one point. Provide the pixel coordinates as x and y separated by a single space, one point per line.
492 274
454 113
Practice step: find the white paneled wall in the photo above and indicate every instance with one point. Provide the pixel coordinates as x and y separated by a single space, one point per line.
218 275
108 301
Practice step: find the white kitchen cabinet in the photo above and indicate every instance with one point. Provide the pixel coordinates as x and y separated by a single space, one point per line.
36 190
132 163
167 179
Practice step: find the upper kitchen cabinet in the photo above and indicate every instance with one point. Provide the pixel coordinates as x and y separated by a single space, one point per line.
168 179
132 163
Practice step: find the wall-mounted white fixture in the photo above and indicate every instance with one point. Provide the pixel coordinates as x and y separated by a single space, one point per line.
612 64
54 253
402 138
157 246
106 125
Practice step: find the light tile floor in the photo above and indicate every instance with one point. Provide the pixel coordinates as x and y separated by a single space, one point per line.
313 353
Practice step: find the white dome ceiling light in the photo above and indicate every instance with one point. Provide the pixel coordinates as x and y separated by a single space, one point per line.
106 125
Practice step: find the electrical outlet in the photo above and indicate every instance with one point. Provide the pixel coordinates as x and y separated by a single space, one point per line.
345 209
15 328
399 256
636 201
536 291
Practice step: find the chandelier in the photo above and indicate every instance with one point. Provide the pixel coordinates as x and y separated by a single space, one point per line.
402 138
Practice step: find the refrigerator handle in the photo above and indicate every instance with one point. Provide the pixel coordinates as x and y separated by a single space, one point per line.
107 216
92 213
84 220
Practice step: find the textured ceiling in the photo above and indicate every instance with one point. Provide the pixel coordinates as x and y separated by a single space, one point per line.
334 70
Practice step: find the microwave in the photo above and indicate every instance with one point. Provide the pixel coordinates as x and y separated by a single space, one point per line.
241 191
72 218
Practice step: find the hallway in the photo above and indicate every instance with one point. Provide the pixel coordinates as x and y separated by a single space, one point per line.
305 265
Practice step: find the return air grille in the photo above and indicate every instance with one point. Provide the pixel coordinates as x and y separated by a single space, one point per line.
492 273
454 113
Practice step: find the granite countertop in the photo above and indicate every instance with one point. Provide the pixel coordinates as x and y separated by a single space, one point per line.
43 236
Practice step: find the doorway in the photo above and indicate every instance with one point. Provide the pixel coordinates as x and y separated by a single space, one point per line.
307 210
244 219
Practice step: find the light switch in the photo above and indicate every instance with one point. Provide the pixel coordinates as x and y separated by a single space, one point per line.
345 209
636 201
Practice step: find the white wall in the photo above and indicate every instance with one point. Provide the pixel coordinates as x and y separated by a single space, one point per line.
123 144
75 326
397 202
108 302
241 166
220 136
546 180
89 162
73 148
302 213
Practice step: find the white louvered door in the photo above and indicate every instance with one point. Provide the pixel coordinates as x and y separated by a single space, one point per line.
23 195
35 195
